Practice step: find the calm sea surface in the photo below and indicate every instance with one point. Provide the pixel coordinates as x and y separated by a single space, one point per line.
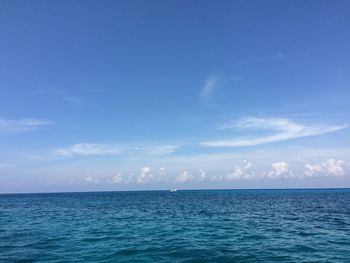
185 226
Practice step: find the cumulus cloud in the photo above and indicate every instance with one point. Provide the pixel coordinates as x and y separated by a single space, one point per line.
284 130
335 167
91 180
279 169
311 169
86 149
117 179
183 177
330 167
22 125
202 175
242 172
145 175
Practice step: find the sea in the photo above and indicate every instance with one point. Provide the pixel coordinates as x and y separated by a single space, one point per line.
309 225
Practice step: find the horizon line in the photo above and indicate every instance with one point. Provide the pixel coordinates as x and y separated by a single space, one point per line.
182 190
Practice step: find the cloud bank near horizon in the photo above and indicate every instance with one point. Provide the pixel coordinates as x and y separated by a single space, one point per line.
244 171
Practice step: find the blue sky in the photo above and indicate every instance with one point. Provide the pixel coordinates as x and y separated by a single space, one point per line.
127 95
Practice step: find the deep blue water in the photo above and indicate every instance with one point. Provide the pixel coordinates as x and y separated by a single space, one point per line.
185 226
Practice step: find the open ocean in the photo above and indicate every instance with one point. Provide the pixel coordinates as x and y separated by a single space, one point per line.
185 226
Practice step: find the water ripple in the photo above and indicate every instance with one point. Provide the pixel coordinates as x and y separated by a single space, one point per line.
186 226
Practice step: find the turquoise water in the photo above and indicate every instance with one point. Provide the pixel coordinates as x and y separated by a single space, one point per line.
185 226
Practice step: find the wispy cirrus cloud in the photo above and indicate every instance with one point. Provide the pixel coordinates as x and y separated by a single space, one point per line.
128 151
74 100
86 149
211 84
284 129
22 125
163 149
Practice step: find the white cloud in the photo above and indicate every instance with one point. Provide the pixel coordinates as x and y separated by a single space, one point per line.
286 130
246 172
22 125
312 169
330 167
117 179
279 169
241 172
163 149
202 175
334 167
211 84
145 175
90 180
183 177
86 149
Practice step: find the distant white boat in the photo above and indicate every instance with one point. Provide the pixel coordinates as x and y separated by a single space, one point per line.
173 190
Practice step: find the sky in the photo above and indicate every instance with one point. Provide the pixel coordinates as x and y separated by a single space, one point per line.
141 95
